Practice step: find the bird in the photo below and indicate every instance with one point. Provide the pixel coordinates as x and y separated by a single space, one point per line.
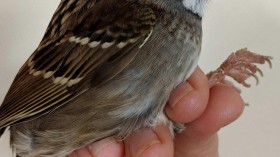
104 68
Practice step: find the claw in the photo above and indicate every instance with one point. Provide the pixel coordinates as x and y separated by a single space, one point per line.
243 49
256 77
260 72
268 60
246 84
240 66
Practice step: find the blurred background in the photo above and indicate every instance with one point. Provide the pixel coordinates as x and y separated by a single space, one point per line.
228 26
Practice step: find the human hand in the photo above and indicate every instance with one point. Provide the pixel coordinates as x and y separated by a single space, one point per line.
203 111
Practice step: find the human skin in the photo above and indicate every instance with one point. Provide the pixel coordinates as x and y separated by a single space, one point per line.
204 111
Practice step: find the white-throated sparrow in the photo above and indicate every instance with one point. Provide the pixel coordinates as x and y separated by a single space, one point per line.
104 68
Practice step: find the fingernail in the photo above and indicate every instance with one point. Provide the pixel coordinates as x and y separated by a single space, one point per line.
178 93
73 154
98 146
139 145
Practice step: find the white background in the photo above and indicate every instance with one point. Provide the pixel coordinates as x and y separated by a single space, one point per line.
228 25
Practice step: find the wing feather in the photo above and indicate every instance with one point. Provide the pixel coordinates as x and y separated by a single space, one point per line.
76 53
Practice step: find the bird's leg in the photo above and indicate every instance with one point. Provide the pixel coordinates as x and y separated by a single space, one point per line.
239 66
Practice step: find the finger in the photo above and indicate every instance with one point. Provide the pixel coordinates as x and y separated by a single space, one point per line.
150 143
104 148
200 137
189 99
225 106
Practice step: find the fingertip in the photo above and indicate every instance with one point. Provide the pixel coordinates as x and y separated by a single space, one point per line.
225 106
189 99
178 93
164 135
165 148
113 150
189 108
231 103
148 142
199 81
73 154
108 147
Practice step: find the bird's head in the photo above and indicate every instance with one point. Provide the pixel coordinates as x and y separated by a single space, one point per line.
196 6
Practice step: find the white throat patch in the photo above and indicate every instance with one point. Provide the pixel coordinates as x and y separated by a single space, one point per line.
196 6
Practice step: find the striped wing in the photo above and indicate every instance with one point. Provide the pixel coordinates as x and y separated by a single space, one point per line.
84 46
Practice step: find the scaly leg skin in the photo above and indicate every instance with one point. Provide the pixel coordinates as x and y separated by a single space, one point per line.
239 66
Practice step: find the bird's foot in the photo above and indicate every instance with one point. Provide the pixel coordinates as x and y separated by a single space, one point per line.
239 66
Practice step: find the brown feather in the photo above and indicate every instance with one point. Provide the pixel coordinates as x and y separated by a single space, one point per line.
66 63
